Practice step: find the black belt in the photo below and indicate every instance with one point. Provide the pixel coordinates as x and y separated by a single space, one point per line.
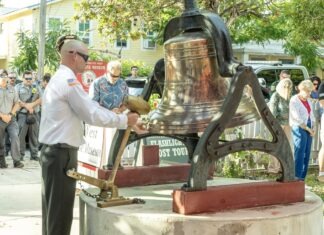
62 146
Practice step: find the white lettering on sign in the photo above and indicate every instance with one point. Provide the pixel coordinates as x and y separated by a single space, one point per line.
169 149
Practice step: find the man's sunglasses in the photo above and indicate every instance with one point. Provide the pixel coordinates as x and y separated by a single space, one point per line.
12 77
28 79
84 56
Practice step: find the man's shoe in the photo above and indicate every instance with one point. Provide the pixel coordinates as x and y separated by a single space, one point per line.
3 163
320 178
18 164
34 158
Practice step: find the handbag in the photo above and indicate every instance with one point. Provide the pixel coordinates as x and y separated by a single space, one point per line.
30 118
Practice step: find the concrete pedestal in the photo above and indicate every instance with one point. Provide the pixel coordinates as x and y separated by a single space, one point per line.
156 216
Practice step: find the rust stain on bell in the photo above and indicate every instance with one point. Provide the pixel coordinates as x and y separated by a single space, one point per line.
194 91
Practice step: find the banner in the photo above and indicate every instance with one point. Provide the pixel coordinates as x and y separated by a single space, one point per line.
93 70
170 150
91 152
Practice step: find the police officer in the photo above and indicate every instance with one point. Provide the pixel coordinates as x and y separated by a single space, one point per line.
28 118
64 108
12 82
8 107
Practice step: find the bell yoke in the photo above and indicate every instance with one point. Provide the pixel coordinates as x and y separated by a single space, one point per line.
206 90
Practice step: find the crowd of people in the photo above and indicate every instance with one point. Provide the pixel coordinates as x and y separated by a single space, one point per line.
20 101
55 117
299 115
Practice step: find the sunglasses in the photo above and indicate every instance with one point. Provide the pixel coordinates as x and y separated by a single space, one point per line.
12 77
28 79
84 56
315 84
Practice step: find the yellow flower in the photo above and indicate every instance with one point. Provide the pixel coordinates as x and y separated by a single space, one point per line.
34 90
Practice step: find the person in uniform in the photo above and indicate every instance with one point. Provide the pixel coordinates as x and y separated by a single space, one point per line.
65 106
28 118
13 81
8 107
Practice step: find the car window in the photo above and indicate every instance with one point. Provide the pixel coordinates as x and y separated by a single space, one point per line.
296 75
270 75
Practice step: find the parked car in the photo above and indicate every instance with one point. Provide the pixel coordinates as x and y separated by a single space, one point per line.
270 71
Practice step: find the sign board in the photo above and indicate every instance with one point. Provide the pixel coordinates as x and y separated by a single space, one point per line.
91 152
93 70
170 150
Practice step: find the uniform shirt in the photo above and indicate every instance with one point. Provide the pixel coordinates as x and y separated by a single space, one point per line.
298 113
65 106
29 94
109 95
8 98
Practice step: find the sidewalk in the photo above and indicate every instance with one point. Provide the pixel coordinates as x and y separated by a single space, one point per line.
20 200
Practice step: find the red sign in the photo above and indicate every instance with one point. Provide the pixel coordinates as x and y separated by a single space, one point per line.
93 70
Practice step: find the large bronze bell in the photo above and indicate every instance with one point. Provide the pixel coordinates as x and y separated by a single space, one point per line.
194 89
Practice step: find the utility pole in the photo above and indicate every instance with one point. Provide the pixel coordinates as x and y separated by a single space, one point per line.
41 45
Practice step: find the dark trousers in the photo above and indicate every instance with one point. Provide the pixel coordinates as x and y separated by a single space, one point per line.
32 131
58 190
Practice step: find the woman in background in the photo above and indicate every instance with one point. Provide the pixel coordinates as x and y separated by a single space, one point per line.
279 107
301 120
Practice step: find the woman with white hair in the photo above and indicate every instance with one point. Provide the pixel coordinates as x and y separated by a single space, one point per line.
301 120
279 107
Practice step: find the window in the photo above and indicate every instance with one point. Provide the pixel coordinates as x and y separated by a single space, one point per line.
54 24
121 43
287 61
149 41
84 31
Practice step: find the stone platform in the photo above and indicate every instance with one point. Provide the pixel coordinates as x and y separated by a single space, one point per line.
156 216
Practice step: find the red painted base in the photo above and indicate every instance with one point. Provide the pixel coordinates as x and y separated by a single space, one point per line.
237 196
150 155
148 175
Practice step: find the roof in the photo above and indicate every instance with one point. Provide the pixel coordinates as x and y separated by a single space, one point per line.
6 10
9 11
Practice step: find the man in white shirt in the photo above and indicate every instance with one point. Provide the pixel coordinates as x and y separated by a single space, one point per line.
65 106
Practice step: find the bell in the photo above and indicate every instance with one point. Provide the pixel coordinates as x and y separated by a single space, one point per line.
194 91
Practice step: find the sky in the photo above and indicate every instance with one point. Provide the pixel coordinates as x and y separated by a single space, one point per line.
18 3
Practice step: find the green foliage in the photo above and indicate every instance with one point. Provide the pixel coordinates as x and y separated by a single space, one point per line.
154 101
298 22
28 50
143 71
316 186
27 57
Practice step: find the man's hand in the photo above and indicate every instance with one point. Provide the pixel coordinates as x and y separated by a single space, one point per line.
140 128
6 118
132 118
29 107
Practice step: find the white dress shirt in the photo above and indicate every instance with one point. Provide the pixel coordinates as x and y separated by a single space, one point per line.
298 113
65 106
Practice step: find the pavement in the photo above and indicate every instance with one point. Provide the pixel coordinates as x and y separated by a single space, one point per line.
20 200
